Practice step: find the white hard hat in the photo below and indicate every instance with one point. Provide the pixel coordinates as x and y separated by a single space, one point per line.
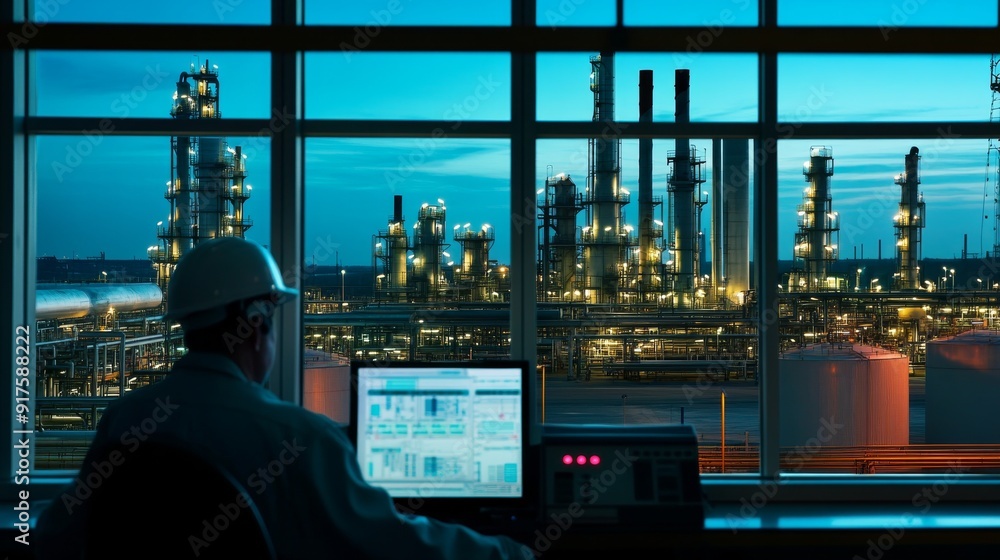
218 272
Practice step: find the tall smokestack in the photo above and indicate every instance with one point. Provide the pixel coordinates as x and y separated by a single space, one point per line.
682 187
717 226
397 208
649 255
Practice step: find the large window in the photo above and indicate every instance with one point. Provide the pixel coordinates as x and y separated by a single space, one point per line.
445 183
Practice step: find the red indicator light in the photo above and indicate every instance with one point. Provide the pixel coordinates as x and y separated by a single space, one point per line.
595 460
567 459
581 460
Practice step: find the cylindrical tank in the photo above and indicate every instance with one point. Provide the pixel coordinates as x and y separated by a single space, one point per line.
843 395
326 385
210 173
736 216
963 381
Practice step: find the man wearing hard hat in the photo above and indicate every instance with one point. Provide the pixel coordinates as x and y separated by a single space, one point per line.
223 293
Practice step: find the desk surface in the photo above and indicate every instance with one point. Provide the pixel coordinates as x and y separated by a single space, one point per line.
777 530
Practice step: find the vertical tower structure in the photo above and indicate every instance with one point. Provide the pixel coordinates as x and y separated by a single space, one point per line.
428 242
561 203
473 272
816 240
735 204
908 223
605 239
683 184
650 260
207 188
391 253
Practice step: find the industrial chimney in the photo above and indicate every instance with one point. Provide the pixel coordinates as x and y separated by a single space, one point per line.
685 178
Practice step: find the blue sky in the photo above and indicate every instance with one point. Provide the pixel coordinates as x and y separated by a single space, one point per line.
112 197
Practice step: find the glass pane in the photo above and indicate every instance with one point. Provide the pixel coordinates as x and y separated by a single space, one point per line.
714 15
451 87
574 13
216 12
111 223
866 88
890 250
371 15
427 228
722 87
143 84
889 14
654 326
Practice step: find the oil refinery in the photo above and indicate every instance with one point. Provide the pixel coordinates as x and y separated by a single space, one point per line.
668 299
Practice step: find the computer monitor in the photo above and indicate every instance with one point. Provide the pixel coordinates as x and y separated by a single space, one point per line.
444 437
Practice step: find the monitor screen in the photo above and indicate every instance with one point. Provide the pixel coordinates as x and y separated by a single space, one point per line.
445 430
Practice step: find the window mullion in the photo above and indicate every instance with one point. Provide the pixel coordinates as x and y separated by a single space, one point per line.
766 249
286 199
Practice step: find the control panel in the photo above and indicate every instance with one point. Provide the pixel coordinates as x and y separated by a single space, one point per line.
633 475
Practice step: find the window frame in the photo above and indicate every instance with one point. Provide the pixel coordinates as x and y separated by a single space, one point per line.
288 39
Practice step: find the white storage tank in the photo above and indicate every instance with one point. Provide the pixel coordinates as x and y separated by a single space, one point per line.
963 388
843 395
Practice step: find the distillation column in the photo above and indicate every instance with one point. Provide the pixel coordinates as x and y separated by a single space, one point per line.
207 188
428 242
391 250
909 223
604 239
558 255
815 244
474 270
